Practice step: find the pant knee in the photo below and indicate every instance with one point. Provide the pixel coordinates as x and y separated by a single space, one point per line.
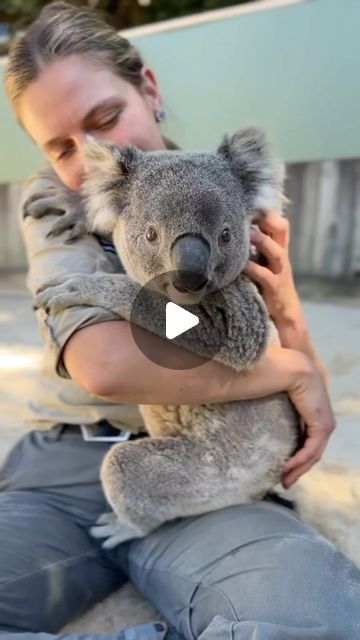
294 581
50 570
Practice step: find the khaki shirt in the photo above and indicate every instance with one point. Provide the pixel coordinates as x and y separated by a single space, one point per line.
55 398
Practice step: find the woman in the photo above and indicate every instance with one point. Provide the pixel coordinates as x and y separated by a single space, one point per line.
253 571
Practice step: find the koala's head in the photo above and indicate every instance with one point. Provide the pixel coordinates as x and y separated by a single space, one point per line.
186 215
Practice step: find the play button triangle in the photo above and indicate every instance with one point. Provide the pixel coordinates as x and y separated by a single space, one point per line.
178 320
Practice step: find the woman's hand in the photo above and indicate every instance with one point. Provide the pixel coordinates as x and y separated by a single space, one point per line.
276 280
309 395
277 284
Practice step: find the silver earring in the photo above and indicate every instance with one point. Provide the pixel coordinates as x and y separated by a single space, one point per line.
160 114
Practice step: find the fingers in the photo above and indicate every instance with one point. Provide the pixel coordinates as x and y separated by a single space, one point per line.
275 225
262 275
269 248
308 455
304 459
290 478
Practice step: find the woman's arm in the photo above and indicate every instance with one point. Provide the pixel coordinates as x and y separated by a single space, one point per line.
278 287
45 198
282 300
106 361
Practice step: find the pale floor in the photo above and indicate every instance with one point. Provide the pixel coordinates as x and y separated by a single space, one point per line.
328 497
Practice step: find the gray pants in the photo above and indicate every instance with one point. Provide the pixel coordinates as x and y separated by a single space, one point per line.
252 572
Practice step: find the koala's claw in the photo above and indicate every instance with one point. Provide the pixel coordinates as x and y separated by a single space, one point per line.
72 222
50 283
108 517
60 293
114 529
42 204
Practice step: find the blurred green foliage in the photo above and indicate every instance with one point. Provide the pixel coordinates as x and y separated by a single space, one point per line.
18 14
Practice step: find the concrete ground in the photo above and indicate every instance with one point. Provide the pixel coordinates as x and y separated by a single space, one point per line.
328 497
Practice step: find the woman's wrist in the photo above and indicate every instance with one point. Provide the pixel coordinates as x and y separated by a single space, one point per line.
292 327
279 370
294 334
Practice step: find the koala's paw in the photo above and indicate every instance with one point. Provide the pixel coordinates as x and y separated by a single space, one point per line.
60 293
116 530
72 222
43 204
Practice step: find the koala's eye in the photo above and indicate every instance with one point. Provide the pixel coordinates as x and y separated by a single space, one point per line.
226 235
151 234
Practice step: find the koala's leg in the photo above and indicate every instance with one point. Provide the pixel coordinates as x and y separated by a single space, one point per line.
153 480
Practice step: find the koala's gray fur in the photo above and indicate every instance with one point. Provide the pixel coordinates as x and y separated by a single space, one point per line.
206 457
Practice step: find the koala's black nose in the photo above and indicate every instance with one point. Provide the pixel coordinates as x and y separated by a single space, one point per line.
190 257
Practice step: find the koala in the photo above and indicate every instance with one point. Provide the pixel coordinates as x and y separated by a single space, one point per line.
181 222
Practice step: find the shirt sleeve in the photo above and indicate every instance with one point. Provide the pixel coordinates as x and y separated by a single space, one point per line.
51 258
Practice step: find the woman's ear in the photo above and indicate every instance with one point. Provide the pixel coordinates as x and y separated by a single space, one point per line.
150 89
260 176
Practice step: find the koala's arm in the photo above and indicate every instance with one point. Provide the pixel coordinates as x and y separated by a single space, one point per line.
91 344
51 257
107 362
233 324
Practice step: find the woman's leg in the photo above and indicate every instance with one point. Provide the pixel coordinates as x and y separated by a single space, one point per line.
51 570
252 572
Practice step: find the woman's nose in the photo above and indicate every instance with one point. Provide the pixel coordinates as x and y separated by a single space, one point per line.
81 142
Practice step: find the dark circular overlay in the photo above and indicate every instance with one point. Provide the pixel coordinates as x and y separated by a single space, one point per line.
148 326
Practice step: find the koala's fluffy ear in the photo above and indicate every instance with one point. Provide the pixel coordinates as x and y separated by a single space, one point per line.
107 172
261 176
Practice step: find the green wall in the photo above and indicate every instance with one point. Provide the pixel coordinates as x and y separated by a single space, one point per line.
293 70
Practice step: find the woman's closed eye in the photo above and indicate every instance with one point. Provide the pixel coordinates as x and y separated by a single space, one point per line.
107 122
65 153
102 125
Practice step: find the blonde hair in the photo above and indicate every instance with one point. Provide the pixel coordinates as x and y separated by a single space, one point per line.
61 30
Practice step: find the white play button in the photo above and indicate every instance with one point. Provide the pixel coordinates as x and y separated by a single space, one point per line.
178 320
173 323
